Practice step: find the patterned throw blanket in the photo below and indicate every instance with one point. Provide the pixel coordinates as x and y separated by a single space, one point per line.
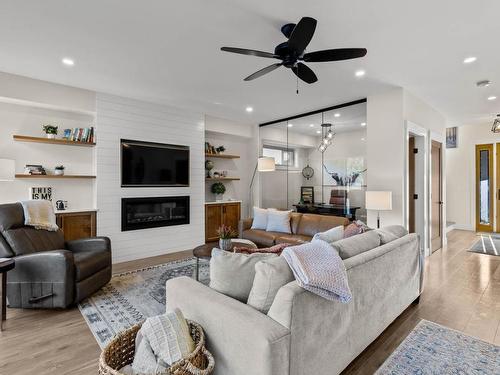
318 268
39 214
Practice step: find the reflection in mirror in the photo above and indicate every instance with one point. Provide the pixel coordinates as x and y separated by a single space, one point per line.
320 163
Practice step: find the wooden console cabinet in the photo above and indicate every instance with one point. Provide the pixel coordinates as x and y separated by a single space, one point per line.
77 225
216 214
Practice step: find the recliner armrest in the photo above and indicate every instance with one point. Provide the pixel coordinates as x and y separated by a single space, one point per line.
245 224
88 244
43 266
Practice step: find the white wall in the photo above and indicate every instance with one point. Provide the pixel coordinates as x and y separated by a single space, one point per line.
28 120
461 174
242 167
125 118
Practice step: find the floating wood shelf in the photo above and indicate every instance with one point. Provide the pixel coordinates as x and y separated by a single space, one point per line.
26 138
223 179
222 156
21 175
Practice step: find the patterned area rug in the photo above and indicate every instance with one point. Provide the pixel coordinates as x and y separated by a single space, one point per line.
131 297
487 244
431 349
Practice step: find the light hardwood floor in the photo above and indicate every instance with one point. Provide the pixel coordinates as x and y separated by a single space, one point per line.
462 291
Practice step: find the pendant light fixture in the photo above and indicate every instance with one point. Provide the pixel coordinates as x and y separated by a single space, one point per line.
327 134
496 125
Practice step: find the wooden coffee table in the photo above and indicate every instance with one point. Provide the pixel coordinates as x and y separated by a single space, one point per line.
205 251
5 266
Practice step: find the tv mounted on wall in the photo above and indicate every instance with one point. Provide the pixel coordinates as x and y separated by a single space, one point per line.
148 164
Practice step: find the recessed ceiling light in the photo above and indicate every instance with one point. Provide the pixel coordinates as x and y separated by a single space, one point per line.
290 125
311 125
336 115
362 139
249 109
67 61
318 131
363 124
360 73
470 59
493 97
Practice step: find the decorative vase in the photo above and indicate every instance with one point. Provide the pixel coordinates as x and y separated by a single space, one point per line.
219 197
51 136
225 244
59 172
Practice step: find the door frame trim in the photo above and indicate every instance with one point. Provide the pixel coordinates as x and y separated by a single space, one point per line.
478 147
441 192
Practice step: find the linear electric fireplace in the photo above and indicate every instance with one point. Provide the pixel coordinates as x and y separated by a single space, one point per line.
153 212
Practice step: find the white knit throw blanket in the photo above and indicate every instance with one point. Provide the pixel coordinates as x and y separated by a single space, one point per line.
318 268
39 214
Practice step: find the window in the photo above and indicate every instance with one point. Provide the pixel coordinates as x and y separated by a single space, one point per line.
282 156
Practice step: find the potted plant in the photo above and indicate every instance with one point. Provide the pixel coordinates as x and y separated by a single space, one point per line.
59 170
50 130
218 189
225 234
220 149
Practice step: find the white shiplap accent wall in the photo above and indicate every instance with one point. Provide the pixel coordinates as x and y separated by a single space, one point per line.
119 118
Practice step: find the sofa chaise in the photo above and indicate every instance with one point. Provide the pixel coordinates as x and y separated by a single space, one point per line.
304 334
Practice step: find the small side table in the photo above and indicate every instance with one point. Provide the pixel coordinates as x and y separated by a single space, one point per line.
5 267
205 251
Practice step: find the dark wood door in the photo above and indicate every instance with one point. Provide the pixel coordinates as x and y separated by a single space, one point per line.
411 184
77 225
213 220
436 197
231 215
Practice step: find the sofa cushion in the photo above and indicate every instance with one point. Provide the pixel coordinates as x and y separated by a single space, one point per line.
232 274
270 276
331 235
294 221
295 239
349 247
260 237
87 263
391 233
278 221
310 224
259 218
27 240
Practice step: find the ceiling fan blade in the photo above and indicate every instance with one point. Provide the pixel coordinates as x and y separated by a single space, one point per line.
335 54
302 34
263 71
250 52
304 73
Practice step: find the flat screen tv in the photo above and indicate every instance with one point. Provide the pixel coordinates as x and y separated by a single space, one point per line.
153 164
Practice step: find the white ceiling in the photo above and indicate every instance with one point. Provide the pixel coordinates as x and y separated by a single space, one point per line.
168 51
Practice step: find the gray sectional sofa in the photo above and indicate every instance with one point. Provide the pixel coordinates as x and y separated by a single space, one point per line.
303 333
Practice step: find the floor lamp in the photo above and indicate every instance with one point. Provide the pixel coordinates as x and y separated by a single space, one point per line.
264 164
378 201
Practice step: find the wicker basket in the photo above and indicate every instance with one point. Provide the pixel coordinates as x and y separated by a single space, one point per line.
120 352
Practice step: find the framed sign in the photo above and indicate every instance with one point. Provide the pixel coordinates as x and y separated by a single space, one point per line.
44 193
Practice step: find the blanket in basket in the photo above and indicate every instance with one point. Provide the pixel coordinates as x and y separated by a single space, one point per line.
318 268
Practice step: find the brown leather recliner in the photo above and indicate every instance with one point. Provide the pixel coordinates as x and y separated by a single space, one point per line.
303 227
50 273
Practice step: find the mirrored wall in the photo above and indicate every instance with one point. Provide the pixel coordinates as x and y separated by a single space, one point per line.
320 162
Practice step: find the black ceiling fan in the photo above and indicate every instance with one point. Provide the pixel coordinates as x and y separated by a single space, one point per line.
292 52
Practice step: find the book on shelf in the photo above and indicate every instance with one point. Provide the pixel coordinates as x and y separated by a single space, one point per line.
86 135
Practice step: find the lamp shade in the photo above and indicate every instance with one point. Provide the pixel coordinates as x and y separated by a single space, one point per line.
378 200
7 169
266 164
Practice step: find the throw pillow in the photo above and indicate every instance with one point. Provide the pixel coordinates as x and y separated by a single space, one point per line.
40 215
353 229
232 274
278 221
270 276
331 235
276 249
349 247
259 218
